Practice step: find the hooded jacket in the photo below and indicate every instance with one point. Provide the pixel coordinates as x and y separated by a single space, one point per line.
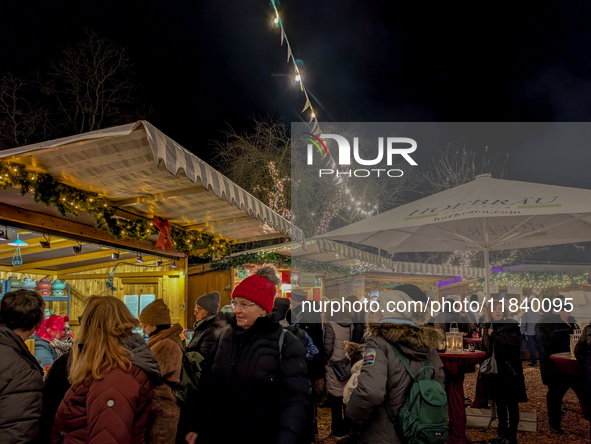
384 378
21 382
166 347
258 396
113 410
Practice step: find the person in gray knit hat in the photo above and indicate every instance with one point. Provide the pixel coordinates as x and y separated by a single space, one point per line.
206 309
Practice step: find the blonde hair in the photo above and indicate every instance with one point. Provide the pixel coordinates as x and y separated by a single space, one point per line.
99 346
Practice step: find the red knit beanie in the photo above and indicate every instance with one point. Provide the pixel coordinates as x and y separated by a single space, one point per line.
259 288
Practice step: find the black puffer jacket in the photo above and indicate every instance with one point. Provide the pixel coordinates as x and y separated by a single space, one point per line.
553 337
257 398
205 335
509 383
21 383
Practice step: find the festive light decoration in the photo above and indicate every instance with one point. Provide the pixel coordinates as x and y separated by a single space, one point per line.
277 197
537 279
468 258
69 200
345 193
279 261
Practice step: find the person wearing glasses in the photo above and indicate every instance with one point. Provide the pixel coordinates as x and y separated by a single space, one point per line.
206 310
256 388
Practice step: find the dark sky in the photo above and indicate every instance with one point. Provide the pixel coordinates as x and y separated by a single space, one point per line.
205 64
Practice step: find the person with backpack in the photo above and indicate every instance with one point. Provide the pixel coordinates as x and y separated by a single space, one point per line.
256 388
21 381
399 396
502 337
165 344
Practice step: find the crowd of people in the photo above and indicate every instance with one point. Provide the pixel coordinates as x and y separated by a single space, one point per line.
260 371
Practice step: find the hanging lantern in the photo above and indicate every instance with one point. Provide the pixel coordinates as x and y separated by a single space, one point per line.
574 338
17 258
454 340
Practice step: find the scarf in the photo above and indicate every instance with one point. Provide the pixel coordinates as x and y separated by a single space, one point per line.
61 347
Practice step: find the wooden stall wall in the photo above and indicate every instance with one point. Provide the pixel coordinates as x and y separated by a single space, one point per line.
131 279
200 284
343 287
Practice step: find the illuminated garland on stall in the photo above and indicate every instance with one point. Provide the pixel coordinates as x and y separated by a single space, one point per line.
69 200
537 279
262 258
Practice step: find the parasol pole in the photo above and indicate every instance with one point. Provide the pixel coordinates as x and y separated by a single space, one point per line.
486 259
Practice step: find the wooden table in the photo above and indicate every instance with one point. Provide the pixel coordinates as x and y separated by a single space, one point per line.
457 365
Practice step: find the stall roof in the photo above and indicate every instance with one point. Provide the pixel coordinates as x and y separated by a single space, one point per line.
334 253
145 173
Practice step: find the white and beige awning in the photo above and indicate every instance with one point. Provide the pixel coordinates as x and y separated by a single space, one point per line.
145 173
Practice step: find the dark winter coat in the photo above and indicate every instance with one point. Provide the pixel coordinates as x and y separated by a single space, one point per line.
335 335
256 397
384 378
44 352
509 384
115 409
311 323
55 387
21 382
206 333
583 355
166 348
553 336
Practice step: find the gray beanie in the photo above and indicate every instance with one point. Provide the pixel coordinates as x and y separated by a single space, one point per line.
209 302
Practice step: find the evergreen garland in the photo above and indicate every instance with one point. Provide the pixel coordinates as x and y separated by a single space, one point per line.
70 201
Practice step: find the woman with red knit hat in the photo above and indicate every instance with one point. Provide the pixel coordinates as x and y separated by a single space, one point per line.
258 386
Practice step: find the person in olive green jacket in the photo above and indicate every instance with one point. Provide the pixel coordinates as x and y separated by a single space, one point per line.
383 377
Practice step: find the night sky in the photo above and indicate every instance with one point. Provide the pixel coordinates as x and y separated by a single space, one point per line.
206 64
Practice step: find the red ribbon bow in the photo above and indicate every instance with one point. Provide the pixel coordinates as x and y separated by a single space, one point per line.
165 238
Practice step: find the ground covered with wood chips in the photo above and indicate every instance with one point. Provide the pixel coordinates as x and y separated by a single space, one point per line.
575 427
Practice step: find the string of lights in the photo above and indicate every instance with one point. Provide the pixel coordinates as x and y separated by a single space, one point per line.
537 279
346 198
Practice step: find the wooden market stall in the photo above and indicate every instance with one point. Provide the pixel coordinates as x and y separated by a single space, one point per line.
118 211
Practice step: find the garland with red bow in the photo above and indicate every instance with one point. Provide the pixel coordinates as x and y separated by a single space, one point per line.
69 200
